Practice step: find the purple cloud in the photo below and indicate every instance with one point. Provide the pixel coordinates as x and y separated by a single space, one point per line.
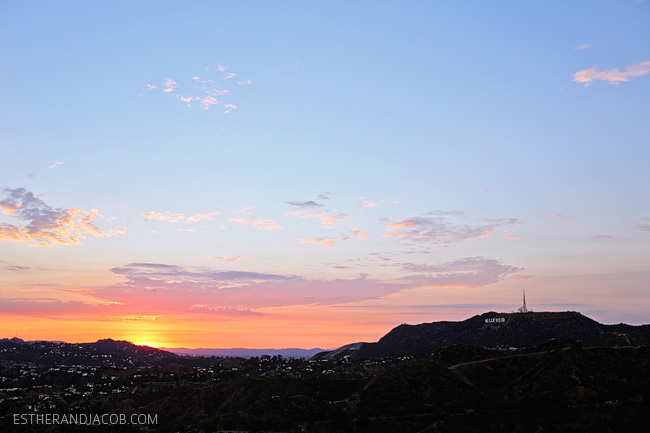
439 228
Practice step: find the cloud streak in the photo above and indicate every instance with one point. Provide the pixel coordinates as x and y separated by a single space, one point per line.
47 226
440 229
611 76
467 272
232 259
328 221
177 217
324 242
258 223
304 204
154 288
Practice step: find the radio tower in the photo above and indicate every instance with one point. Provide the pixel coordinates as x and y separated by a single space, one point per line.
523 308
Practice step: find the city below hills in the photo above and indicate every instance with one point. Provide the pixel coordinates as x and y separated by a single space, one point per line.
495 372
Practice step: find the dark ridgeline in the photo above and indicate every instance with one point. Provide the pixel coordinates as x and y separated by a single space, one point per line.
517 372
518 330
107 352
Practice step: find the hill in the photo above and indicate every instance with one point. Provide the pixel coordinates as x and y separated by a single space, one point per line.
493 330
107 352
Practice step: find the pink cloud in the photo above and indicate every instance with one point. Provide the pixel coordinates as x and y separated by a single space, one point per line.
260 223
228 310
361 235
243 83
232 259
508 235
208 101
55 164
229 75
201 217
583 47
187 99
47 226
369 204
170 85
324 242
325 219
151 288
644 224
167 216
612 76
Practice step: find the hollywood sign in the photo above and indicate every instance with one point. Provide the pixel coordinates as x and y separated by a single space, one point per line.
495 320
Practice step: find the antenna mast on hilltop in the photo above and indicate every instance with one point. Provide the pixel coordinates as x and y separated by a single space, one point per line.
523 308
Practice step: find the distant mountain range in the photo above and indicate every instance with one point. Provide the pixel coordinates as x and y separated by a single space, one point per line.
123 353
244 353
494 330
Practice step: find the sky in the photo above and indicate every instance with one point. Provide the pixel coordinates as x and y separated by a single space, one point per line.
312 174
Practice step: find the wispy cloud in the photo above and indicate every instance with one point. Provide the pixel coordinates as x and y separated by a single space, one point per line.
260 223
612 76
228 311
202 216
467 272
368 203
170 85
361 235
43 306
324 242
441 229
167 216
153 288
583 47
47 226
232 259
177 217
509 235
56 164
328 221
304 204
200 92
644 224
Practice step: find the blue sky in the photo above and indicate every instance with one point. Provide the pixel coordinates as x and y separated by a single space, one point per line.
380 152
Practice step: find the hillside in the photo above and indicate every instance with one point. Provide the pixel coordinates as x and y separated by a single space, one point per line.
494 330
107 352
555 387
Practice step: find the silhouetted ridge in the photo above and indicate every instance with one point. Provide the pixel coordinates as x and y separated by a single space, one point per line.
493 330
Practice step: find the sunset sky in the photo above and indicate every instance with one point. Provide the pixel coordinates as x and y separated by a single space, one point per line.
310 174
